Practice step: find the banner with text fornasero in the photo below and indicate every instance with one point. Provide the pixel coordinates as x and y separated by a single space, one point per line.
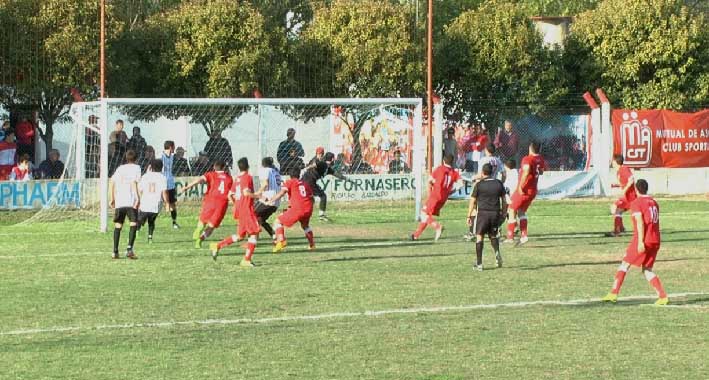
661 138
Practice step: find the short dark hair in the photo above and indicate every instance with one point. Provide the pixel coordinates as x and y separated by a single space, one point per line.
23 158
329 156
535 146
119 121
219 165
448 159
294 171
156 165
618 158
490 148
267 162
511 163
243 164
487 169
451 131
641 186
130 156
169 144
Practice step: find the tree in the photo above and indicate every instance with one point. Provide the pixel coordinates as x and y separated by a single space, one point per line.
492 57
643 53
205 48
362 49
59 44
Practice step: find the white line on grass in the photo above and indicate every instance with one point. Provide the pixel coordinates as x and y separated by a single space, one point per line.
315 317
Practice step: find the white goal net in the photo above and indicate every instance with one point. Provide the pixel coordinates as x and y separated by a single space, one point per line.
379 145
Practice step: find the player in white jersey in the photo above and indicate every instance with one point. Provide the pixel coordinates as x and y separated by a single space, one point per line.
167 159
512 178
498 168
153 189
270 179
124 197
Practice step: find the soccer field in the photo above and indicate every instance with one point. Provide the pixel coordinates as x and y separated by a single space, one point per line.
367 304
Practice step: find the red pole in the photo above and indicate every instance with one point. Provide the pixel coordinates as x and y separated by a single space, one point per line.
429 85
102 52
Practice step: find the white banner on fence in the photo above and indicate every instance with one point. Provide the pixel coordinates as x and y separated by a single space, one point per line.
361 187
554 185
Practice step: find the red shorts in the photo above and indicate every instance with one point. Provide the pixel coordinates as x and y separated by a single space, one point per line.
521 201
645 259
289 217
433 206
248 223
622 204
213 213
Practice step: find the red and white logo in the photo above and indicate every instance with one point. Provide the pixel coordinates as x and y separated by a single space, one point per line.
636 140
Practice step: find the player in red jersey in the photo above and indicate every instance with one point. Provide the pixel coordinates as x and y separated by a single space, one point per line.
215 203
243 195
626 182
532 166
300 200
643 248
442 182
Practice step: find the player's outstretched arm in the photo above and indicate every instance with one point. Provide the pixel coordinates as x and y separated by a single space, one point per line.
278 196
250 194
111 193
194 183
134 186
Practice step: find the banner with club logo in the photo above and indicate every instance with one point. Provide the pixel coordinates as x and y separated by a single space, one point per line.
661 138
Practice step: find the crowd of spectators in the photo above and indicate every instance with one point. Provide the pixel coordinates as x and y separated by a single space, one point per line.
17 161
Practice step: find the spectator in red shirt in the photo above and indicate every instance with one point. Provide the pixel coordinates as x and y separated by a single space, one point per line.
24 131
507 142
23 170
8 155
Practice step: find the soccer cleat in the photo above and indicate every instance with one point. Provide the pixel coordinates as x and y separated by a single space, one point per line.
150 240
324 218
498 260
413 237
131 255
610 297
523 239
478 268
662 301
214 248
311 247
509 241
279 246
439 231
114 256
246 264
469 236
612 234
198 243
175 225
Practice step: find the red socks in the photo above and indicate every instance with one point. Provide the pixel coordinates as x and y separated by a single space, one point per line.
523 226
228 241
655 282
430 221
250 248
618 282
280 232
618 224
310 237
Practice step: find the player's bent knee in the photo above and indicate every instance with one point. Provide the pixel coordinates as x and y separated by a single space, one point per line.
624 267
649 274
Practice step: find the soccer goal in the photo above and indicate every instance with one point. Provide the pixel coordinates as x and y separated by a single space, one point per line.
379 145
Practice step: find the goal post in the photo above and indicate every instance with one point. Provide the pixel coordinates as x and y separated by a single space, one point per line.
364 135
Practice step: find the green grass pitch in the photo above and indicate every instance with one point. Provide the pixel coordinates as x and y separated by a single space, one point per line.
367 304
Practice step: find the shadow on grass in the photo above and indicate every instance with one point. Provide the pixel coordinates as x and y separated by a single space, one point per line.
606 262
389 257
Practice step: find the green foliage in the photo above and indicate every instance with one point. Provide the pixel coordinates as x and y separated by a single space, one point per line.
558 7
494 56
644 53
369 46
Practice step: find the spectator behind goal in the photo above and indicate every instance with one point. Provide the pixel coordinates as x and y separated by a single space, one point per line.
52 167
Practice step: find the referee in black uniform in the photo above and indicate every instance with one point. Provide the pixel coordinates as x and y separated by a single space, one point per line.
485 214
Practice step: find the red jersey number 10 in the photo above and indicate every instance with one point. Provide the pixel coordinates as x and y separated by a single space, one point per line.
654 215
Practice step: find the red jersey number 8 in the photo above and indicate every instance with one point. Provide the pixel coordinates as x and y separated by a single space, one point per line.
301 190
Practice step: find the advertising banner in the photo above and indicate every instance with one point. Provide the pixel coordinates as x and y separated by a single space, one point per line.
661 138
